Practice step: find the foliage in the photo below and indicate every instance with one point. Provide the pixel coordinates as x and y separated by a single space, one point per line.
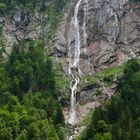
119 118
61 83
3 7
29 84
107 75
29 108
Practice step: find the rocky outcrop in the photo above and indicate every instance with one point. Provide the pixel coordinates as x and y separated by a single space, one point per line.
113 34
21 18
112 37
21 24
88 93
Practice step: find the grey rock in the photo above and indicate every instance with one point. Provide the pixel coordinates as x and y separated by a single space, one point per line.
113 34
2 19
88 92
21 17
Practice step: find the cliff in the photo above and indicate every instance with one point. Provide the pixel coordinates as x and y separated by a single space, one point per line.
112 28
109 36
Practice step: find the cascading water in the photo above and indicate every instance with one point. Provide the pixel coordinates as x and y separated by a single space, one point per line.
74 56
74 45
84 23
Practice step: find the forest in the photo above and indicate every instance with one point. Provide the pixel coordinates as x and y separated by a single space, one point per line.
29 108
35 90
119 119
29 105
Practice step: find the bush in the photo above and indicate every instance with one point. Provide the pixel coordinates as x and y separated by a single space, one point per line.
3 8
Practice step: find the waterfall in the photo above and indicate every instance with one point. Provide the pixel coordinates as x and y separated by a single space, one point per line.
74 56
74 45
84 23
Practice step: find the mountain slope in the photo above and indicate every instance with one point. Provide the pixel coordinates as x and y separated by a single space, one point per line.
119 118
52 48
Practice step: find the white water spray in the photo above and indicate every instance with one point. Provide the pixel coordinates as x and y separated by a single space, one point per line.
74 56
74 45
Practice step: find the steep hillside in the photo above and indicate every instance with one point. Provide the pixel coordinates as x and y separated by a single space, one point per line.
112 34
33 19
119 118
62 59
30 108
108 35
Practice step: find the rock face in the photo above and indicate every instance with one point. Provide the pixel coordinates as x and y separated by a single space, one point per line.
21 18
113 34
21 24
88 93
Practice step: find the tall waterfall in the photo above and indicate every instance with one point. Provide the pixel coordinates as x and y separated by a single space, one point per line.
74 45
84 22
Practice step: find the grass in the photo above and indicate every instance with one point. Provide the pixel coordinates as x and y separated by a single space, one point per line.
110 71
107 75
89 79
87 119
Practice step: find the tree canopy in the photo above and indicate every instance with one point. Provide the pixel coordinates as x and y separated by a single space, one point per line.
29 108
119 119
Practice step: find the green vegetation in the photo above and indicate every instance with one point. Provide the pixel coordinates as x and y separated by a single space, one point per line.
106 75
61 83
33 89
48 13
54 13
87 119
3 7
2 44
119 119
30 85
29 108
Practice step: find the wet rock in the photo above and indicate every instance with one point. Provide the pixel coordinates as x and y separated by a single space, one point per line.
2 19
87 93
73 129
21 18
113 34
